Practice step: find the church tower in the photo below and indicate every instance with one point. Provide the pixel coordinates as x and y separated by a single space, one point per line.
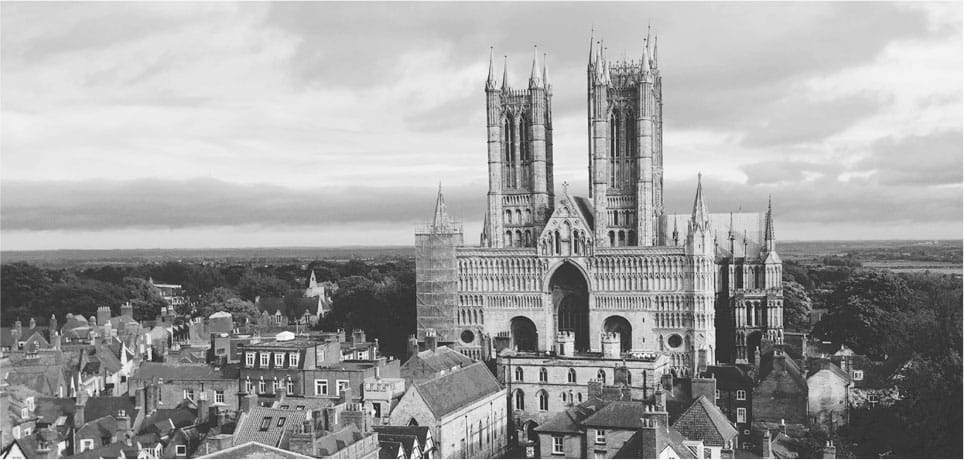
626 147
519 140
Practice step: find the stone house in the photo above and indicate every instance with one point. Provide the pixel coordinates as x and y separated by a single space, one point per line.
734 398
180 382
781 394
828 388
465 409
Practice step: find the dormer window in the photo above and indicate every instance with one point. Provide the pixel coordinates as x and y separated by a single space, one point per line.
279 359
265 357
293 359
858 375
249 359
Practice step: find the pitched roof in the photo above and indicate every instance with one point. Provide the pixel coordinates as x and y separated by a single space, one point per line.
331 443
44 379
185 371
703 421
878 374
584 205
789 365
249 427
254 449
174 418
473 382
407 441
819 364
102 406
730 377
666 437
428 364
569 420
390 449
50 409
618 414
420 432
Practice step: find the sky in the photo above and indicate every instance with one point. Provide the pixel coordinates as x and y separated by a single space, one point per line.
179 125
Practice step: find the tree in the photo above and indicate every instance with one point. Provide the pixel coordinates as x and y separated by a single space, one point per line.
241 311
796 307
252 285
22 285
145 299
211 301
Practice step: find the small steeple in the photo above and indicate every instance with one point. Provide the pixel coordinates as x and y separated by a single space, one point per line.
490 81
768 233
644 61
441 219
545 69
655 43
592 47
701 216
600 72
646 58
605 65
535 81
675 234
505 73
485 229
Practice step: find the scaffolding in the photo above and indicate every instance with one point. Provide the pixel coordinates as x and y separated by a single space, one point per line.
436 278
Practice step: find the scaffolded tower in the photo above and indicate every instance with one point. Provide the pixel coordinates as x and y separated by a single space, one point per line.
436 274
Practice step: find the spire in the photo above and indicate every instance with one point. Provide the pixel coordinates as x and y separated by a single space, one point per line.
675 234
485 228
441 219
700 215
655 42
605 64
505 73
644 61
490 81
535 81
600 72
768 233
545 69
592 47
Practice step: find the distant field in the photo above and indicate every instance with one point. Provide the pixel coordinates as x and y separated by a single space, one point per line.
911 266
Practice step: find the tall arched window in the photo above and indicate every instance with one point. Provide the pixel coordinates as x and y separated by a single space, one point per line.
520 400
612 238
572 376
543 400
518 216
543 375
519 374
579 397
601 375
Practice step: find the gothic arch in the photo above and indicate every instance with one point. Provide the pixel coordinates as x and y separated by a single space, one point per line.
525 336
621 325
569 287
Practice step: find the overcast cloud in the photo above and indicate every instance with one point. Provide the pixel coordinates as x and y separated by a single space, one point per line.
220 124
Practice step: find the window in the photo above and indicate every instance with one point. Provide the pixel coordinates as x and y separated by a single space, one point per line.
265 424
601 375
600 436
340 386
249 359
219 396
248 386
740 415
279 359
563 396
717 394
520 400
519 375
293 359
572 376
281 421
557 445
264 359
289 386
321 387
181 450
220 351
86 444
873 399
543 375
261 387
741 395
543 400
579 397
858 375
189 394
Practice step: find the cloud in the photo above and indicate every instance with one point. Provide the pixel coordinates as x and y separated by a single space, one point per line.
933 159
781 171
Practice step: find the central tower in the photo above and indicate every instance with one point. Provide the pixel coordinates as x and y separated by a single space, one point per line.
519 140
625 147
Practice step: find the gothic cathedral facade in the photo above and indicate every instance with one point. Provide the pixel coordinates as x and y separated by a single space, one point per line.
698 287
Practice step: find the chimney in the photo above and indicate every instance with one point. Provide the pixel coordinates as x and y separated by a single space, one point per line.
123 421
502 341
153 398
648 438
767 445
621 375
703 386
341 335
16 333
357 337
783 426
412 346
33 323
103 315
330 419
611 345
346 395
55 339
829 450
139 399
656 415
431 342
659 397
565 343
80 406
203 408
248 401
595 388
53 324
222 417
127 310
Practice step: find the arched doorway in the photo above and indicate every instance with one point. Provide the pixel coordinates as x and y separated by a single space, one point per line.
529 431
570 301
625 330
524 334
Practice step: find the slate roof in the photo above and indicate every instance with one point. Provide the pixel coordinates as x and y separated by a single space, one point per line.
253 450
442 358
766 367
473 382
174 418
331 443
665 437
49 409
818 364
249 427
292 306
568 421
745 224
389 449
618 414
730 378
44 379
6 335
184 371
420 432
102 406
407 441
704 421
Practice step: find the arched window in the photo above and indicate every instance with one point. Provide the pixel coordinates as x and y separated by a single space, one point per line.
622 238
543 375
508 216
632 238
520 400
579 397
629 378
528 216
558 242
543 400
572 376
612 238
563 396
508 239
528 238
601 375
518 238
615 217
518 216
519 374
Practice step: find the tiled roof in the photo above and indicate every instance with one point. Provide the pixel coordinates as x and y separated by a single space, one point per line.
878 375
389 449
44 379
584 205
184 371
407 441
438 360
253 450
569 420
665 437
819 364
331 443
249 427
101 406
766 367
175 418
703 421
49 409
473 383
618 414
6 335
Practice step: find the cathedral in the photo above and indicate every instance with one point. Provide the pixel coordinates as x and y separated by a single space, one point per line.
698 287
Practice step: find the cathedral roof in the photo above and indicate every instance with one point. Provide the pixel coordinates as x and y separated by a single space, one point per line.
747 230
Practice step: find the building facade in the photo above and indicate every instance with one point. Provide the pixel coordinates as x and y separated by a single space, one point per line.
696 287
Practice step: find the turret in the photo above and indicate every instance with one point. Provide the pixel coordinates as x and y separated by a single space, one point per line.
535 78
699 238
565 343
611 345
490 81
